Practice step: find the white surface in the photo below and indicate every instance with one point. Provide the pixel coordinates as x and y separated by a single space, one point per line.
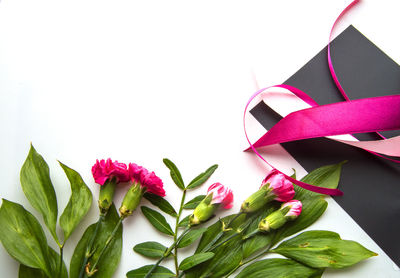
138 81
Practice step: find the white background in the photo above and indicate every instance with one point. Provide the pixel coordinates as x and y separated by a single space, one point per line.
138 81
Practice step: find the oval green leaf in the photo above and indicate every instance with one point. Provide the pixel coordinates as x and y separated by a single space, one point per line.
174 172
191 237
202 178
38 189
23 237
79 203
278 268
192 204
323 249
157 220
161 203
150 249
112 255
195 259
158 272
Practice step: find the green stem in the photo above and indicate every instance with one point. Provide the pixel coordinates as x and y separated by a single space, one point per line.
176 231
166 254
222 242
90 245
61 261
221 233
248 261
108 241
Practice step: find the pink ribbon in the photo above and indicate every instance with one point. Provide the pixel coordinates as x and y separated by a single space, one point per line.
349 117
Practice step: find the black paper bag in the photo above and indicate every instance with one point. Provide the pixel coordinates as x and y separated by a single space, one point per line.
371 185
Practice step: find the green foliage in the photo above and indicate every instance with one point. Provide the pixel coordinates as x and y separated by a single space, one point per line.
278 268
23 237
109 260
159 272
202 178
150 249
191 237
157 220
323 249
174 172
192 204
161 203
38 189
78 204
54 258
195 259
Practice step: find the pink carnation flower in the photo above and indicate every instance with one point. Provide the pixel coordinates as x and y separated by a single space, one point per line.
295 208
221 195
279 185
149 180
106 169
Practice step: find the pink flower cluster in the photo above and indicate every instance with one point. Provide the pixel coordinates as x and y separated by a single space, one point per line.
279 185
107 169
283 190
147 179
221 195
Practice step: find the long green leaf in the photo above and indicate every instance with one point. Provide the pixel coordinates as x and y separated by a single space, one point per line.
161 203
191 237
194 260
202 178
28 272
111 257
23 237
157 220
79 203
323 249
150 249
326 176
278 268
192 204
174 172
159 272
38 189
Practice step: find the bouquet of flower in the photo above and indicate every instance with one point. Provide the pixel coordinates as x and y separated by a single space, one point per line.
276 211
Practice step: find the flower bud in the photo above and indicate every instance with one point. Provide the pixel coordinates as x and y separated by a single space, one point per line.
106 195
275 186
217 196
131 200
288 211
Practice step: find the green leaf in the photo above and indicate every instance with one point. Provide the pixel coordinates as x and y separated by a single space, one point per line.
184 222
323 249
79 203
28 272
326 176
174 172
261 240
150 249
191 237
112 255
23 237
159 272
192 204
161 203
38 189
157 220
202 178
278 268
195 259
